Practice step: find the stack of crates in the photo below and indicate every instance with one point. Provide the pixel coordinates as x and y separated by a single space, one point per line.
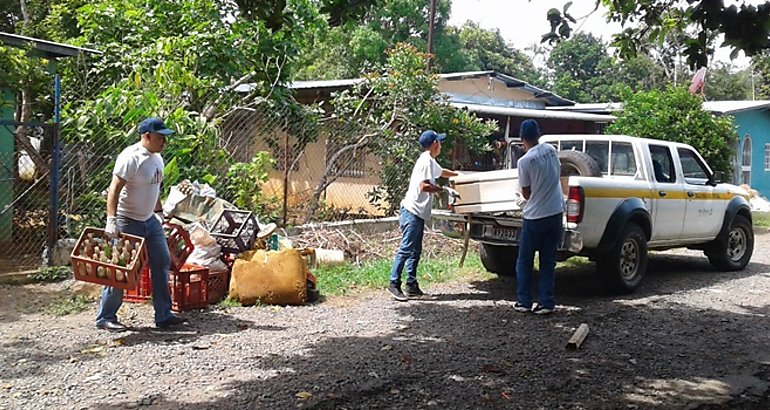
188 283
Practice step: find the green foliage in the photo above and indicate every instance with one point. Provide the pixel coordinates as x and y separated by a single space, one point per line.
745 27
229 303
51 274
761 75
244 184
488 50
69 305
676 115
725 82
583 71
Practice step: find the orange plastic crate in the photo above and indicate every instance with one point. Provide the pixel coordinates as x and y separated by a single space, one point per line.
104 273
143 291
189 288
179 245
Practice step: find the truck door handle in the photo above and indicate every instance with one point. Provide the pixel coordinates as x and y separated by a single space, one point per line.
661 193
690 194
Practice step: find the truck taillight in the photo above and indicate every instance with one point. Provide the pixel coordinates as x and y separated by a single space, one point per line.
575 203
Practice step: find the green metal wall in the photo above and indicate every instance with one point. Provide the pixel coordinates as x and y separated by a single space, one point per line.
6 167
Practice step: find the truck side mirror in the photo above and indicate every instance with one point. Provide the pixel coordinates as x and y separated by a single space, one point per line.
716 178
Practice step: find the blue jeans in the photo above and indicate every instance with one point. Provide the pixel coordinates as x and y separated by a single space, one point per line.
411 247
542 235
160 262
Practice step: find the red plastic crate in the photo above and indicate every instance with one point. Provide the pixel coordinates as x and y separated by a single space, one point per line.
219 285
143 291
179 245
104 273
189 288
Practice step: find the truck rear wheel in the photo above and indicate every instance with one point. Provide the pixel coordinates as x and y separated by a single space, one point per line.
577 163
499 259
733 252
624 265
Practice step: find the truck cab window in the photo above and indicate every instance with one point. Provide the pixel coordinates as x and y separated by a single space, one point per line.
695 172
662 164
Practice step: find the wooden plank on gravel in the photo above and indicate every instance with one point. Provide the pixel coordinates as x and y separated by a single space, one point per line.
577 339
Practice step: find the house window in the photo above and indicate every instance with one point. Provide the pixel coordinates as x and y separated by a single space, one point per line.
767 157
350 164
746 161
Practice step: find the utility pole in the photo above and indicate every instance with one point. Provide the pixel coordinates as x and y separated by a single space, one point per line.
431 19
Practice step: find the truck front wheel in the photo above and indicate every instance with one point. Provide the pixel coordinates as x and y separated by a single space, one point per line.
733 252
624 265
499 259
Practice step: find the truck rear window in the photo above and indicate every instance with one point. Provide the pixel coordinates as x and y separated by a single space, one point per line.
622 160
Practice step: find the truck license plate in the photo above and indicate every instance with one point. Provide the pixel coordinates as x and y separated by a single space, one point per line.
505 233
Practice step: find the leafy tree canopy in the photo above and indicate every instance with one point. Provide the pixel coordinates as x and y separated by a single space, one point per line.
745 27
676 115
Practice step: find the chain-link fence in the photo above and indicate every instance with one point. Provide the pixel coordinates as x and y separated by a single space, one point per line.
25 224
288 166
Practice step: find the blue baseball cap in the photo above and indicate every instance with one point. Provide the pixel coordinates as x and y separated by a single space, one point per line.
530 130
428 137
153 124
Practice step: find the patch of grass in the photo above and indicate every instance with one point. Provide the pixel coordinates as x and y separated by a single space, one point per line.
229 303
69 305
574 262
343 279
51 274
761 219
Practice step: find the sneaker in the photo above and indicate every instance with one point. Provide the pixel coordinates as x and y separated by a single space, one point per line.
173 321
413 290
395 290
542 310
520 307
112 326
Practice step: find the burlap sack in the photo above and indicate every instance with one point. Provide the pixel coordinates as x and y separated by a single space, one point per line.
269 277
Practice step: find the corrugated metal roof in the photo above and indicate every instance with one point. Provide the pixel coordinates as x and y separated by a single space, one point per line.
731 107
510 82
548 97
49 49
593 107
526 112
715 107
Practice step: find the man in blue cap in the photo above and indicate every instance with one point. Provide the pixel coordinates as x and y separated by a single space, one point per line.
415 212
542 208
133 207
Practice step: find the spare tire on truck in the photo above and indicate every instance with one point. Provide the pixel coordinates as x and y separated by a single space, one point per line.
499 259
578 163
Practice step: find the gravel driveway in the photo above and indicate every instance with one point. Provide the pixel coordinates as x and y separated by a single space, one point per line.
690 337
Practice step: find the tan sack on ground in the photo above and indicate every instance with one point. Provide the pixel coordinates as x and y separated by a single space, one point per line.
270 277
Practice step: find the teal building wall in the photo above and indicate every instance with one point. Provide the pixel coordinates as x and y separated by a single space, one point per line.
753 127
6 167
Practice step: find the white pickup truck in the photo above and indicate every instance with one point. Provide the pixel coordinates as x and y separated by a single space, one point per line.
624 196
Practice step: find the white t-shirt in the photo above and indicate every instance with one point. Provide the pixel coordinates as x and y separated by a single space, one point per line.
143 172
416 201
539 169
